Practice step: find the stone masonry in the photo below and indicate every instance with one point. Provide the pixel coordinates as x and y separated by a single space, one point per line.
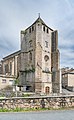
54 102
39 70
37 63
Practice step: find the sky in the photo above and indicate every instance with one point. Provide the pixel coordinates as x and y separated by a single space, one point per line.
16 15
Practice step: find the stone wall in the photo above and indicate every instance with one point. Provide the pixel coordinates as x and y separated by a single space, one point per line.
37 102
55 63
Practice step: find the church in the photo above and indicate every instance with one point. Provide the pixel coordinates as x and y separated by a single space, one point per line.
37 63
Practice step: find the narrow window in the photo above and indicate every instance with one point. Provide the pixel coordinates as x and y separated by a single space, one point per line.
44 28
47 30
6 68
30 30
46 44
10 68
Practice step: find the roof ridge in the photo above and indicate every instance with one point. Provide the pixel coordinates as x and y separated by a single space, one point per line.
39 19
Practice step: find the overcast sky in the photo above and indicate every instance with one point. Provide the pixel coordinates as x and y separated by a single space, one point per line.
16 15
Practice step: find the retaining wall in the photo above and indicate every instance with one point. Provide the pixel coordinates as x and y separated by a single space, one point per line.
37 102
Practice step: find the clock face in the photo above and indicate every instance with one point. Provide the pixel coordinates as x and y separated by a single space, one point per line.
46 58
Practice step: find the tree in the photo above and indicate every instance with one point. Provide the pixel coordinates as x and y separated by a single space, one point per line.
16 82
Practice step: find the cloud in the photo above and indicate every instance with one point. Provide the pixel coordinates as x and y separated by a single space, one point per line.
16 15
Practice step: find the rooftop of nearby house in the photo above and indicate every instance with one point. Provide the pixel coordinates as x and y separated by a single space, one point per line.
12 55
67 71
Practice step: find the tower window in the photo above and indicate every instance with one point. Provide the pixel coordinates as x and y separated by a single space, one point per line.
46 44
30 30
44 28
47 30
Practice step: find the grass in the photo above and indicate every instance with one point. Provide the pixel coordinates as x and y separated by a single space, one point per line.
33 109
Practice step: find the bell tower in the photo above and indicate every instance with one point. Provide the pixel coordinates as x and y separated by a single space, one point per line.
39 58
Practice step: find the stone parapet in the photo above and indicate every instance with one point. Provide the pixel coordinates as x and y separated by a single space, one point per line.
37 102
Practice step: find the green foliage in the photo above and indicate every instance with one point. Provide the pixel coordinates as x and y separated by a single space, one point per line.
4 110
23 32
25 95
17 109
46 72
30 70
16 82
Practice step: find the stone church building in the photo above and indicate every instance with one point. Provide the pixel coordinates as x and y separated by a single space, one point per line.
38 62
